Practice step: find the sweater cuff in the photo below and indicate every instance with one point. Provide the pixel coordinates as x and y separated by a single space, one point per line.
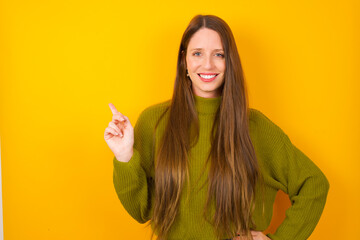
126 171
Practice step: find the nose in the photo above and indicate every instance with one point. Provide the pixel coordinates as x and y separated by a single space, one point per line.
208 62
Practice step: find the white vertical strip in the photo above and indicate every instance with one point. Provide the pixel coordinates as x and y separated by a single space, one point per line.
1 209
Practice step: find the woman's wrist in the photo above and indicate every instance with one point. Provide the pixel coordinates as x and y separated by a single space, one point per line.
125 157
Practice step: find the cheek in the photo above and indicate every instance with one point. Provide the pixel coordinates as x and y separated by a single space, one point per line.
221 66
192 65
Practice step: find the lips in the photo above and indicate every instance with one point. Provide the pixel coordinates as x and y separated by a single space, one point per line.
207 77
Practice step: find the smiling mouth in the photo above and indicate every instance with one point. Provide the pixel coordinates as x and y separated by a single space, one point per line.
207 77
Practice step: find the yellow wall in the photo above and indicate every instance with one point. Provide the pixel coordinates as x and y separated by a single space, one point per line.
62 62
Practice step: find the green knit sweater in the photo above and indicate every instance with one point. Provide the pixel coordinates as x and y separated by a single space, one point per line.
283 166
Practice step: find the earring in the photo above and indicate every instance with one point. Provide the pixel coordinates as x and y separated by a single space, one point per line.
187 73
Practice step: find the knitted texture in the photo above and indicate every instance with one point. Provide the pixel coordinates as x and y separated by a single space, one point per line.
282 165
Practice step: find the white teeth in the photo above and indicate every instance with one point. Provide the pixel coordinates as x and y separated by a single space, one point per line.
207 76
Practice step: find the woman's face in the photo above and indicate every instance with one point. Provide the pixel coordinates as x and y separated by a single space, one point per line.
206 63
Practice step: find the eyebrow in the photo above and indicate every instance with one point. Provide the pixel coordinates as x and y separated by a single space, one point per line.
220 49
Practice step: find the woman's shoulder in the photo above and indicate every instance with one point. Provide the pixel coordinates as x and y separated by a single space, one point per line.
261 126
154 111
157 107
258 117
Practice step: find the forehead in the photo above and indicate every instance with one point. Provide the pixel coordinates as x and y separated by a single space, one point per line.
205 38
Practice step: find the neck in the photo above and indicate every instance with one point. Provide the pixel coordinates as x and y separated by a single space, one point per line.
207 105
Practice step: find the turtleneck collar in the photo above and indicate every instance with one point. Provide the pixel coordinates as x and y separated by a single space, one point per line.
207 105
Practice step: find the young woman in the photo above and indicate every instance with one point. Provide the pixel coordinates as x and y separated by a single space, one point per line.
204 165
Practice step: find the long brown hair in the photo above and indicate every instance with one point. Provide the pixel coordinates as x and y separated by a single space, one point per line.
233 169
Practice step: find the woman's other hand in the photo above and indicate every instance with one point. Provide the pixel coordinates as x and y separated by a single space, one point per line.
119 135
256 235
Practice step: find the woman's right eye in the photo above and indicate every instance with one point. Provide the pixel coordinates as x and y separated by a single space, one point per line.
196 53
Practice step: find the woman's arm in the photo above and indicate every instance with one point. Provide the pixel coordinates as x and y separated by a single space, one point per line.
132 180
307 188
285 167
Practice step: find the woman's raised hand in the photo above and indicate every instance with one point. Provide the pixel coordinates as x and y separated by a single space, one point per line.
119 135
256 235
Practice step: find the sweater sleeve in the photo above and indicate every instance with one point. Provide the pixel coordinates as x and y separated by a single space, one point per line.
301 179
132 180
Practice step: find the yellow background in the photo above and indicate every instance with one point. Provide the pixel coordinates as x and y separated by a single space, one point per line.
62 62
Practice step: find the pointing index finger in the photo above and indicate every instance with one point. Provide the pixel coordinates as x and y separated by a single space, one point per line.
113 108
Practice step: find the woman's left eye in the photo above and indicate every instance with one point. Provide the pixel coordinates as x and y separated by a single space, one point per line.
220 55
